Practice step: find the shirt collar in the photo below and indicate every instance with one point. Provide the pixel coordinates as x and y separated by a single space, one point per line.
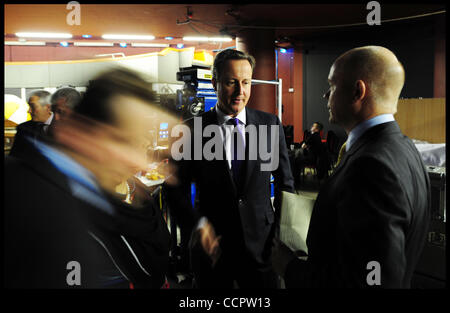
361 128
222 118
67 165
49 120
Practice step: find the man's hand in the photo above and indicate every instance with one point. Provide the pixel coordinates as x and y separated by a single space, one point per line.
209 241
281 256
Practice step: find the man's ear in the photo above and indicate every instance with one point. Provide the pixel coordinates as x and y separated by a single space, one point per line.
360 90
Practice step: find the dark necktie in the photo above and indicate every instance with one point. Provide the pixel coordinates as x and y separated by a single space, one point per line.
237 152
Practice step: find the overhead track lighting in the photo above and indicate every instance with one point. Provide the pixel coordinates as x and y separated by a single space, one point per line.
128 37
149 45
93 44
25 43
216 39
44 35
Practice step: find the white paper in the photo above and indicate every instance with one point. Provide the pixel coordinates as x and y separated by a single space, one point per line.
294 223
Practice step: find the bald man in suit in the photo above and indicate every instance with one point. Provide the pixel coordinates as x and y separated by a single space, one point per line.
370 219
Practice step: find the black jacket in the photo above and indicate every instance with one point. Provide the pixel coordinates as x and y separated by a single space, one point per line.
242 217
46 227
374 207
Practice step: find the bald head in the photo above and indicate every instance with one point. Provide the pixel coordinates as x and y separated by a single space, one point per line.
381 72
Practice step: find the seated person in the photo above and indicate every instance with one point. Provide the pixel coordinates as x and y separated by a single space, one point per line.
311 149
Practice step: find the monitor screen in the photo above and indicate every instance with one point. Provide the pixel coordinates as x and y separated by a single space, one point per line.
163 126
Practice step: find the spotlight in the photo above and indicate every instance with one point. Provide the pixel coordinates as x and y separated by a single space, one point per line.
64 43
86 36
180 46
123 44
168 38
282 50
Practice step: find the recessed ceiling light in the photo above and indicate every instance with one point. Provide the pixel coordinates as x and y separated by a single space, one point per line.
180 46
86 36
168 38
123 44
64 43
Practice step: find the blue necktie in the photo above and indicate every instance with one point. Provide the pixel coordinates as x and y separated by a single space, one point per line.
237 152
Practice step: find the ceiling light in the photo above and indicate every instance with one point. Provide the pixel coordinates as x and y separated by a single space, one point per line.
168 38
225 39
180 46
282 50
148 45
64 43
44 35
123 44
93 44
207 39
195 38
86 36
130 37
25 43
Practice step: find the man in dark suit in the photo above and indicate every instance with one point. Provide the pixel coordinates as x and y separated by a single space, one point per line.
369 222
235 219
41 118
64 225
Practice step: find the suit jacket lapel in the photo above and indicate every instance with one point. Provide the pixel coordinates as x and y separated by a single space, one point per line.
249 164
367 136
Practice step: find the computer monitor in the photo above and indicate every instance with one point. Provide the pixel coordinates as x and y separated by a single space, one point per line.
164 131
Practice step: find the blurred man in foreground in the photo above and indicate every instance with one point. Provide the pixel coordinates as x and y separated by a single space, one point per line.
370 220
65 226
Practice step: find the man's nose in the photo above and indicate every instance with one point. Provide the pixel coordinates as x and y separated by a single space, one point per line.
326 95
239 89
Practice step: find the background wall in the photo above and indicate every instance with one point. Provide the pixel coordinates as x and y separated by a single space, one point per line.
412 42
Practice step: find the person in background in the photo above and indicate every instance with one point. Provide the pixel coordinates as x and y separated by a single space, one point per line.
312 152
64 100
369 222
41 118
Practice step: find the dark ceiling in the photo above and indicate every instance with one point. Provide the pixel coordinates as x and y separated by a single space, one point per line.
295 21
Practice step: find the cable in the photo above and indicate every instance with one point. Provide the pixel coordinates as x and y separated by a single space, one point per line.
319 27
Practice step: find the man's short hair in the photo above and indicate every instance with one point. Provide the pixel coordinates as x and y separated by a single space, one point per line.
72 96
229 54
319 125
43 95
95 103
